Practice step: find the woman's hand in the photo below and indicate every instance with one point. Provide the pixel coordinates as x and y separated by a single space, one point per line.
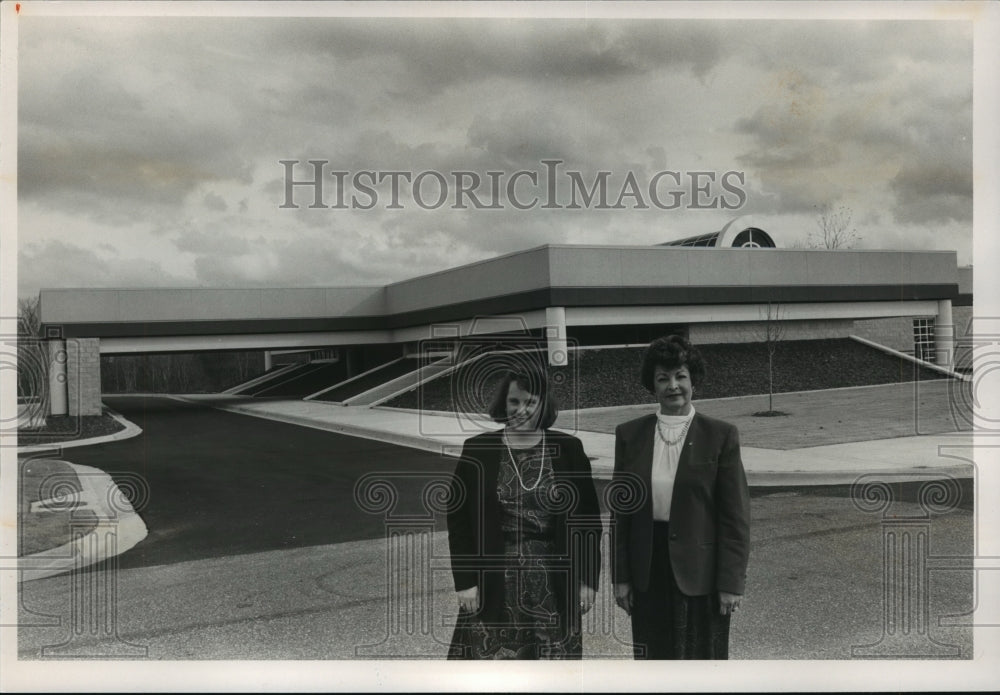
729 603
623 596
468 599
587 596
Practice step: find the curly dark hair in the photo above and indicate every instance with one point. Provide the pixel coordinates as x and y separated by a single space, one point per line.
671 352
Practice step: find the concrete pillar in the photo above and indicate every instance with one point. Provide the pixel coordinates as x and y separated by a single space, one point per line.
58 394
267 360
555 336
944 335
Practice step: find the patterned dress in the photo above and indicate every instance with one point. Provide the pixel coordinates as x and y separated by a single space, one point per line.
533 627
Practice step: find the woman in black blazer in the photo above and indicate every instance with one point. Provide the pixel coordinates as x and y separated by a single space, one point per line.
681 550
524 532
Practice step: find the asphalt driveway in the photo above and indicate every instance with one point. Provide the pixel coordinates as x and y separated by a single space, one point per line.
225 484
258 548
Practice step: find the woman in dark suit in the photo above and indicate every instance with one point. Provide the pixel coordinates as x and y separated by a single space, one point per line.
524 532
681 552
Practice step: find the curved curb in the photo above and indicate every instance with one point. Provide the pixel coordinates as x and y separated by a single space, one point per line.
118 526
131 430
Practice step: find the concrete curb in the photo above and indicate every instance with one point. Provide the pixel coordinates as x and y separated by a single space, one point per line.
131 430
116 520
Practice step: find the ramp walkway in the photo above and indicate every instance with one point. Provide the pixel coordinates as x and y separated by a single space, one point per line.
851 446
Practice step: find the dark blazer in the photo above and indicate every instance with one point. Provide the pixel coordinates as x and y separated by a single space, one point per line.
475 537
709 508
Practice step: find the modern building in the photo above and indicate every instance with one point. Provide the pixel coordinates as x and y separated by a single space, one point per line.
713 287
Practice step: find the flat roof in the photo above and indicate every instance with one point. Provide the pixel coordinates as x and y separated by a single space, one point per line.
527 280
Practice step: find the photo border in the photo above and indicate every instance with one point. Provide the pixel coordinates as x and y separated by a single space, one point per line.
978 673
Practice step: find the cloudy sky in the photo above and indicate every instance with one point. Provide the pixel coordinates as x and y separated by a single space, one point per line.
149 148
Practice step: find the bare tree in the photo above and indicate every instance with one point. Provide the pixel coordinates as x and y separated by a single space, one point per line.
32 371
111 380
29 318
245 365
835 230
190 374
159 372
129 366
770 331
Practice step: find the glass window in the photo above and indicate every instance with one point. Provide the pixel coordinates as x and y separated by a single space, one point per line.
923 339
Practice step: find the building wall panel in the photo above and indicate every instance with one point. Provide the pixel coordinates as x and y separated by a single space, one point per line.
896 333
755 331
509 274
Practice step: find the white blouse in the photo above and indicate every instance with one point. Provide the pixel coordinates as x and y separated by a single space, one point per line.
665 458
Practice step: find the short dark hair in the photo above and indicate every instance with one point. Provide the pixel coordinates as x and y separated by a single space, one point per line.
534 382
671 352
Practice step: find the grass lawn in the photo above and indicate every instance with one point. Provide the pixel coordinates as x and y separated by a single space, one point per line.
68 428
57 519
820 417
606 377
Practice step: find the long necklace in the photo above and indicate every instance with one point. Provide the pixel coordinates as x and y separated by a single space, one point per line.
513 462
670 442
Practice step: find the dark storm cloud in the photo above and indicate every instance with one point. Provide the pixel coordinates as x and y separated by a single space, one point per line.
65 264
927 193
934 183
172 129
519 138
305 259
427 56
113 174
902 102
104 116
215 202
789 145
218 243
438 53
693 44
850 53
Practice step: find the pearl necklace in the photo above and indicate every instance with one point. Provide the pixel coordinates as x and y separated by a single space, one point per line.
513 462
670 442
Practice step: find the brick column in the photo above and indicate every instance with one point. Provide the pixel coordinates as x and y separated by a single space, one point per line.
84 376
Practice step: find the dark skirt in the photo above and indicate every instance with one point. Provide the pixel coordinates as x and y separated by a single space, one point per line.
536 622
668 624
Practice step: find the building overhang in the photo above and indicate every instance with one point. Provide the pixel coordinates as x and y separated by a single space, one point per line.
573 277
519 322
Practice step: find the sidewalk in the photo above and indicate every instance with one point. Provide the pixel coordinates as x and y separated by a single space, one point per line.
899 458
